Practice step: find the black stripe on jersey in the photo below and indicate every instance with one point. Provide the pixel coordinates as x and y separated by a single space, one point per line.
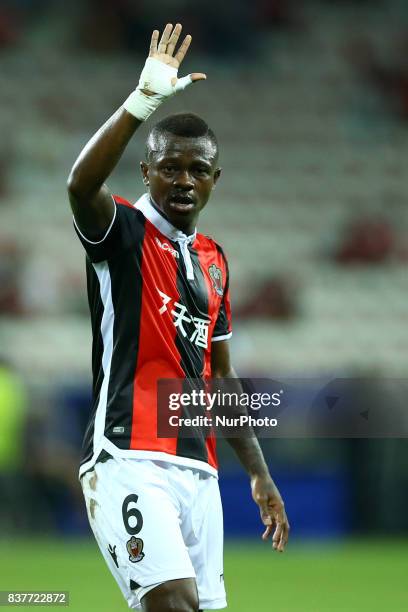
193 294
222 324
96 307
126 287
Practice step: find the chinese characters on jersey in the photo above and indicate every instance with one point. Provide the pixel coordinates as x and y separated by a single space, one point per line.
195 328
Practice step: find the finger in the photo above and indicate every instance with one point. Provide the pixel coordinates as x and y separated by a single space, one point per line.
165 38
284 538
198 76
280 547
267 532
171 45
183 49
277 536
153 43
183 82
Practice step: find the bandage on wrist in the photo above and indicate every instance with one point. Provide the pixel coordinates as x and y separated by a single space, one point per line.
141 105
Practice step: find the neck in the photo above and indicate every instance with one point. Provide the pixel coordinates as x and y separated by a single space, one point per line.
186 226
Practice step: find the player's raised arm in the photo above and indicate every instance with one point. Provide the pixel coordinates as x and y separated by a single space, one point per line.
90 198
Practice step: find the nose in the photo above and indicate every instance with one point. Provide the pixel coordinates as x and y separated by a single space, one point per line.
183 180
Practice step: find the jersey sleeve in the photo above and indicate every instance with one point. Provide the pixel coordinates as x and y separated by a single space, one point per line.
223 324
114 239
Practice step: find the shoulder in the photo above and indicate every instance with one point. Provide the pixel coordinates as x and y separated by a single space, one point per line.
122 202
213 257
128 212
209 244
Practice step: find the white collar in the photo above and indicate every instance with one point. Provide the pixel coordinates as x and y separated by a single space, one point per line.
165 227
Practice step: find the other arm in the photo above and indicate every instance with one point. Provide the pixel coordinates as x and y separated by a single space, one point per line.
264 491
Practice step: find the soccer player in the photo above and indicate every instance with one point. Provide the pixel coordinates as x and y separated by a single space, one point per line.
159 303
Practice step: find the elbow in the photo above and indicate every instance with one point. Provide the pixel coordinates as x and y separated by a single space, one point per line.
216 373
223 373
74 186
77 189
72 183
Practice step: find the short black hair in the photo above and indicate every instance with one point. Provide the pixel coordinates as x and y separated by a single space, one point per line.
187 125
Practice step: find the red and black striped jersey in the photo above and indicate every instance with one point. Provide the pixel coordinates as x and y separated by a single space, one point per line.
158 299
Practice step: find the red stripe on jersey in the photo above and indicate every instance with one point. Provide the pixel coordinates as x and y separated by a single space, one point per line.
120 200
211 445
158 356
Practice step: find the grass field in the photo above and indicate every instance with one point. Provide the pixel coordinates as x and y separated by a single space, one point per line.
348 577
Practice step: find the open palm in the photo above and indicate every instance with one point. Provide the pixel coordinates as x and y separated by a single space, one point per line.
164 50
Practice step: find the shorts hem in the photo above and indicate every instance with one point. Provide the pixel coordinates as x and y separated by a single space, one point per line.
213 604
119 453
163 577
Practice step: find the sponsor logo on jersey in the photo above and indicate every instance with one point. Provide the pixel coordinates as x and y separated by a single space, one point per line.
193 328
135 549
119 429
166 247
216 278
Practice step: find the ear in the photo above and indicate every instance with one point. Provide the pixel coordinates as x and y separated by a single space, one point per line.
217 174
145 172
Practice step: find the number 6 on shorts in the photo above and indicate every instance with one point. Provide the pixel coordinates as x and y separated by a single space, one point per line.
127 513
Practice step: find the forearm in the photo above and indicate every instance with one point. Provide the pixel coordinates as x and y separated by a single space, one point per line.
250 455
101 154
246 447
264 491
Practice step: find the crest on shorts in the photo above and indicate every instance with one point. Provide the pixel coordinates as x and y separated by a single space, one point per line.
135 549
216 277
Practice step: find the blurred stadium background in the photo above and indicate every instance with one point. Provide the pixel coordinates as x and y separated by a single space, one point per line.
309 100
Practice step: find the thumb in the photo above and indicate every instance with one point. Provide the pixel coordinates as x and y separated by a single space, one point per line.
184 82
198 76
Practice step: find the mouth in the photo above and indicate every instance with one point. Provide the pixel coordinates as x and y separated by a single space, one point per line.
181 203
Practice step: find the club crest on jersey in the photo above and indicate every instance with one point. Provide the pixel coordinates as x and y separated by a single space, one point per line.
166 247
216 277
135 549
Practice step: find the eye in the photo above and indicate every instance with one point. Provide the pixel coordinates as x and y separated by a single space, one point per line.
168 169
201 171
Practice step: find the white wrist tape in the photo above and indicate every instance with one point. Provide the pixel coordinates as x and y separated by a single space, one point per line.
156 77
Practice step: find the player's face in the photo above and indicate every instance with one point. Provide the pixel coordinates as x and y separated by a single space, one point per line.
181 176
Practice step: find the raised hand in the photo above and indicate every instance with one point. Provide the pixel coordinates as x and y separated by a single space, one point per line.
164 51
159 79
